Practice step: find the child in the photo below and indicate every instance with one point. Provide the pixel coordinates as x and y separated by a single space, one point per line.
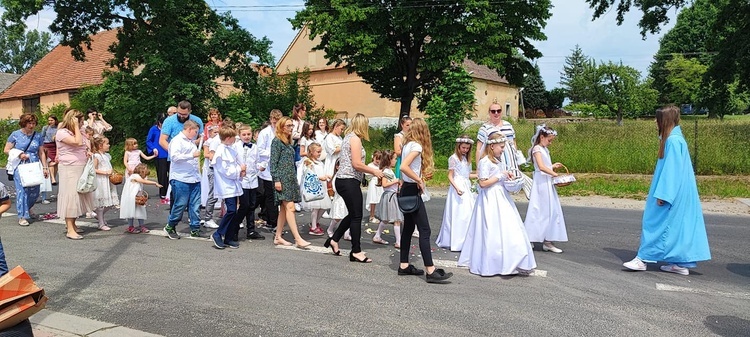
387 210
338 208
228 174
544 216
460 199
496 241
317 207
208 200
308 137
185 180
128 209
88 135
248 155
105 194
133 155
373 190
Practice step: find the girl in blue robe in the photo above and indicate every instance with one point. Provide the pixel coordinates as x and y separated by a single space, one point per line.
673 227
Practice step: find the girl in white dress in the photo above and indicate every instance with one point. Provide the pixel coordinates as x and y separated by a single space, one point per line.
387 210
338 213
496 242
105 194
460 199
316 207
332 145
373 190
544 217
128 209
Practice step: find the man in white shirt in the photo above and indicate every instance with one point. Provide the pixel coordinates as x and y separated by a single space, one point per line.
264 157
185 180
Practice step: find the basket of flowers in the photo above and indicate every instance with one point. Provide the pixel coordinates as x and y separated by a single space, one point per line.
115 178
565 179
141 198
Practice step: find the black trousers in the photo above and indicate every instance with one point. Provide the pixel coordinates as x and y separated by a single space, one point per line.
419 220
352 194
162 175
272 211
246 210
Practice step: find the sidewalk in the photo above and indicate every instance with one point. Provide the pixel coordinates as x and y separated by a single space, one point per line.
48 323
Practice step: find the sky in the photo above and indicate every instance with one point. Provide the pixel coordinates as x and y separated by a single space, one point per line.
570 24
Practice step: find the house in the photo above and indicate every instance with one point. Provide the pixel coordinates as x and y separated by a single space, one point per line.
348 94
6 80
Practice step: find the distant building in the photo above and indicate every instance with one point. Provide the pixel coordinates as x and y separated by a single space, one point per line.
6 80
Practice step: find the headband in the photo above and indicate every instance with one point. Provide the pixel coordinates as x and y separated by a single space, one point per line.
465 140
542 129
502 139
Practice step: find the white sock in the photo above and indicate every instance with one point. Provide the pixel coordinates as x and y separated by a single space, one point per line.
314 218
100 215
332 227
381 226
397 232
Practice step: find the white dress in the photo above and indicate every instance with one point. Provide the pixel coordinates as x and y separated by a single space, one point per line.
128 208
338 207
456 214
329 145
387 210
374 192
105 194
319 170
544 217
496 242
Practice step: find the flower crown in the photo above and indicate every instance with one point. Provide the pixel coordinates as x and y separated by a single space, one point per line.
465 140
502 139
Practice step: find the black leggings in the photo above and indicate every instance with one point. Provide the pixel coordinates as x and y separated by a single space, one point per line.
272 211
350 191
420 220
162 175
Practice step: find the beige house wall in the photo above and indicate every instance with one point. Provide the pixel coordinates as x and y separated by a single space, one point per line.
487 93
11 109
47 101
14 108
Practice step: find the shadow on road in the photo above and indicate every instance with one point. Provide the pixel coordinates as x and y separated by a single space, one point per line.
624 255
742 269
727 325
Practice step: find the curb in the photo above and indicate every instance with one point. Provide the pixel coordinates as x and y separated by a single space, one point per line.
47 323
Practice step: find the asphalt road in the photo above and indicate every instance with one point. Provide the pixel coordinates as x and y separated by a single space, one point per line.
187 288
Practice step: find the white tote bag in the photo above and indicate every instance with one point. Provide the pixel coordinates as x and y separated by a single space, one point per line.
312 188
31 174
87 181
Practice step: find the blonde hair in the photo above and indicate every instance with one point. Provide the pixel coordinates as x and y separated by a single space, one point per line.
360 126
98 142
275 114
336 123
190 125
280 134
488 148
130 144
68 118
141 170
420 133
226 132
244 127
666 119
313 146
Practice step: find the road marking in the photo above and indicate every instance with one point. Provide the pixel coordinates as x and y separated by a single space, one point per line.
667 287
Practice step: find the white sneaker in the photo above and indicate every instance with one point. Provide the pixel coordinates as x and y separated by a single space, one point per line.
45 202
635 264
326 215
552 248
415 234
90 215
297 207
210 224
673 268
242 224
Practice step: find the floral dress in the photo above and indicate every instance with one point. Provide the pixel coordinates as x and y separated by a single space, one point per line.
283 170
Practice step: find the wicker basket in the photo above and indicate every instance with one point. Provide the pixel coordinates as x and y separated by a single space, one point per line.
141 198
564 179
115 178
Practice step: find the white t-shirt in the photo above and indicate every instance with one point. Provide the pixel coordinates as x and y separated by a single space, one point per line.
416 164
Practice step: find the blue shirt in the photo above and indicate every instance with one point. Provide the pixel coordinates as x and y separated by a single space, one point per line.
152 142
172 127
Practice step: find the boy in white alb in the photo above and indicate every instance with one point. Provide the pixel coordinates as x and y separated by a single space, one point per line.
248 155
208 201
185 180
228 174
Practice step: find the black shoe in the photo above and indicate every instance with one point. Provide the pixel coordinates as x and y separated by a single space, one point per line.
438 276
171 233
255 236
197 234
410 270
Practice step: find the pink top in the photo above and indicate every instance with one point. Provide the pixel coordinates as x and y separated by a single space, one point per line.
69 154
134 158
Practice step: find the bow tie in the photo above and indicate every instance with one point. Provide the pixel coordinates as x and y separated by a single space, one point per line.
250 145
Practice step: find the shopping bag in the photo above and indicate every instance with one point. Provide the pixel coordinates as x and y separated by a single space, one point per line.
31 174
520 159
87 181
20 297
312 188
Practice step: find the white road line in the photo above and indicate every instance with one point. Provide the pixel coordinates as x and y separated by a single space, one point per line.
667 287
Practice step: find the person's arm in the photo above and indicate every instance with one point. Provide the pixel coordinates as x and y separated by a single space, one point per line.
397 144
145 157
406 170
107 126
274 162
77 139
163 140
179 153
485 179
145 181
8 146
264 150
96 167
303 147
43 157
355 144
152 139
452 163
537 153
478 154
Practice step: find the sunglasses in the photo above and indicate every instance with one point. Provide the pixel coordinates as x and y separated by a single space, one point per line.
496 111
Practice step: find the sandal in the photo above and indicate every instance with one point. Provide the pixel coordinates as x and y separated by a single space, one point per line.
77 237
379 241
144 230
352 258
327 244
104 228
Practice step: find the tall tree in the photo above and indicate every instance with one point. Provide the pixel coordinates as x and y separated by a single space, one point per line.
167 50
729 40
535 92
401 47
684 76
20 50
618 88
570 77
555 98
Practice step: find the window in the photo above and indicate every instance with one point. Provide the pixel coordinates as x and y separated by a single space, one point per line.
507 110
30 104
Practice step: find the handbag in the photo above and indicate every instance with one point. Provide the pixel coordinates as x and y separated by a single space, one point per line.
31 174
408 203
20 298
10 173
312 188
87 181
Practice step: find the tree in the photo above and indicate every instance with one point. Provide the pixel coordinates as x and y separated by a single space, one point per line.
20 50
535 92
571 74
450 103
729 40
167 50
616 87
683 76
402 47
555 98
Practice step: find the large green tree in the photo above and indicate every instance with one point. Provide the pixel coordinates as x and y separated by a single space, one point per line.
570 77
402 47
618 88
535 92
20 50
167 51
729 41
683 77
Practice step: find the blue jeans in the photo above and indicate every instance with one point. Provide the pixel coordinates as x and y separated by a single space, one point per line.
25 197
227 227
3 263
186 195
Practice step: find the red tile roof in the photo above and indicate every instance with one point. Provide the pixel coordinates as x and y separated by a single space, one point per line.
58 71
483 72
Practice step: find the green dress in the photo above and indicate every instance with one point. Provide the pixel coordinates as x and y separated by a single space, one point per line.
284 170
